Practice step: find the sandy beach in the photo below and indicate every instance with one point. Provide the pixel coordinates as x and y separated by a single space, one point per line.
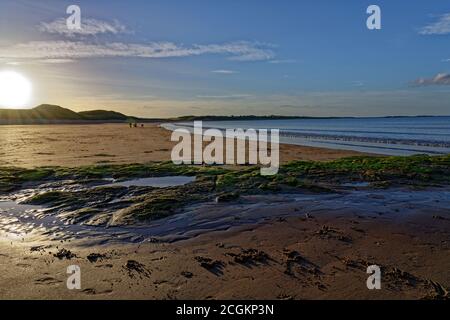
310 241
76 145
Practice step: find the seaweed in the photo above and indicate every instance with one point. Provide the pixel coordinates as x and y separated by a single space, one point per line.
212 182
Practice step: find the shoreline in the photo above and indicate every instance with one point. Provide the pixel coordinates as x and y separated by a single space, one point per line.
395 145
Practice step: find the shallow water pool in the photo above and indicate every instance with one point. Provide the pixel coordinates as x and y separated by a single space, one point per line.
156 182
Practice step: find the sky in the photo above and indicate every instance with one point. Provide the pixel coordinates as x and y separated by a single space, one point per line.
171 58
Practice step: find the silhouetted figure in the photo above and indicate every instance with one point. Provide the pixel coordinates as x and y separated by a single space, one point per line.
142 125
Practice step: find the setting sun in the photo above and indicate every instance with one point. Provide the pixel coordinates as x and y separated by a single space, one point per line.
15 89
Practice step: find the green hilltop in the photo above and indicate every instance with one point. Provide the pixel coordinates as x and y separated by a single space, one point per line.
47 113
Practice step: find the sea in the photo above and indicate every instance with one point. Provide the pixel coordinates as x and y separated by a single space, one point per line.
386 135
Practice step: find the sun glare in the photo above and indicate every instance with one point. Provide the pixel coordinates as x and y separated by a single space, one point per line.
15 89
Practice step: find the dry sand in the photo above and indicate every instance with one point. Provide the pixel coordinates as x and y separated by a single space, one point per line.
76 145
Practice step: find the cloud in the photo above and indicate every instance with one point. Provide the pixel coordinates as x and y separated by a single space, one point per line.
70 50
282 61
63 51
56 61
38 62
226 97
442 26
439 79
225 71
243 50
89 27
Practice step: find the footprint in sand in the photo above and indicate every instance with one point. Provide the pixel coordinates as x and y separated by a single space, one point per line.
47 281
23 265
92 291
213 266
135 268
107 265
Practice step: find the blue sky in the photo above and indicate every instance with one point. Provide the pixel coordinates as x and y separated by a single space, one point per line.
172 58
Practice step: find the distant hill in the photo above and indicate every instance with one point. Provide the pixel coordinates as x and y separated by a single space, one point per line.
47 113
40 113
104 115
51 112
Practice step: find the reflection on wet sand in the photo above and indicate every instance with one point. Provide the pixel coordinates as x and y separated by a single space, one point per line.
36 223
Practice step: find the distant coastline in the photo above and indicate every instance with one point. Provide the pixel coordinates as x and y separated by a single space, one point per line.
53 114
376 135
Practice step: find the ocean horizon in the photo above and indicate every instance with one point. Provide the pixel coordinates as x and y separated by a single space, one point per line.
380 135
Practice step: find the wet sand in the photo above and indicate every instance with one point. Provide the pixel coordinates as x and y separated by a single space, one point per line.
271 247
76 145
314 256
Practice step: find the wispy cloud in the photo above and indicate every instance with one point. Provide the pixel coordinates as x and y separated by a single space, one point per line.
12 63
78 46
222 71
38 62
439 79
69 50
441 26
224 97
282 61
89 27
245 50
56 61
